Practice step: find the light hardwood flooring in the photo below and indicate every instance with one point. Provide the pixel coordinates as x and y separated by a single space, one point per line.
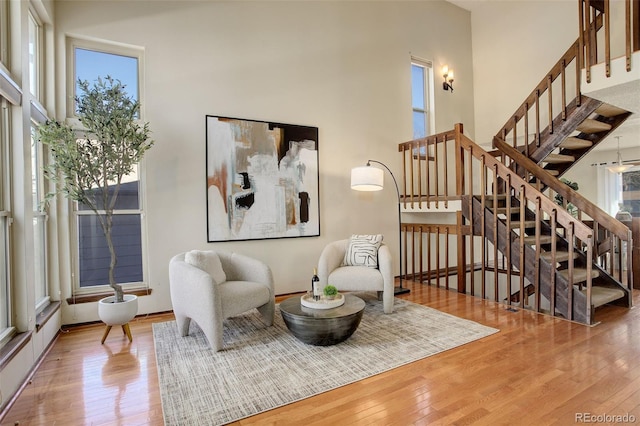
538 370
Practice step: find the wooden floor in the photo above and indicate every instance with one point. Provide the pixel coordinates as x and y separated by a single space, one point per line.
538 370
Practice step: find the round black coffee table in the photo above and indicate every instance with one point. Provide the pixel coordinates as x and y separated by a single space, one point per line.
322 327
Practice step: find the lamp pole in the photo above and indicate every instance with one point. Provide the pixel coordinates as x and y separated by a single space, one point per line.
400 289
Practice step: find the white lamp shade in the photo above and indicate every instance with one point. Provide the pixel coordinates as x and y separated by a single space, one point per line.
367 178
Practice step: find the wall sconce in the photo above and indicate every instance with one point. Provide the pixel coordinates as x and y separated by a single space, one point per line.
448 78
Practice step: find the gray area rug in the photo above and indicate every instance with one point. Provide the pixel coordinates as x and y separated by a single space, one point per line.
263 367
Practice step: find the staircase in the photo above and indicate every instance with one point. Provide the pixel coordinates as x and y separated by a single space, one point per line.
534 254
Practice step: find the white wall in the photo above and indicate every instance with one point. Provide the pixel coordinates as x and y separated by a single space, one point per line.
515 43
340 66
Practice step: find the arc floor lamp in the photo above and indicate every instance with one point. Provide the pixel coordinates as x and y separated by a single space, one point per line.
367 178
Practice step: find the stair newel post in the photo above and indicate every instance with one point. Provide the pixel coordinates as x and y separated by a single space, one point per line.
436 170
428 172
495 232
521 267
630 264
536 272
462 251
470 171
483 206
446 172
508 239
411 173
627 26
588 311
426 158
446 255
570 232
554 235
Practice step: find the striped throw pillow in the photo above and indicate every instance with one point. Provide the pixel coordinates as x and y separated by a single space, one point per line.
363 250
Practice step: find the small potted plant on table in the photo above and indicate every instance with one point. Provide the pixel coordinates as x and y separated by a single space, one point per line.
330 292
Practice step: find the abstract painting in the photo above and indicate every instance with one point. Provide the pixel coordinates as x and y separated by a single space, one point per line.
262 180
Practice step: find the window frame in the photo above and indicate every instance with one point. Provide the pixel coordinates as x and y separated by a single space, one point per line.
41 216
6 219
122 50
38 56
112 48
4 33
428 107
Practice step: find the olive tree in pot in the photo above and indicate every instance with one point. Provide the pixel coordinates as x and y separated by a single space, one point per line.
90 163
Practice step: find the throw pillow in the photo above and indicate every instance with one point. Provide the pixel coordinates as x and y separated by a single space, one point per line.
209 262
363 250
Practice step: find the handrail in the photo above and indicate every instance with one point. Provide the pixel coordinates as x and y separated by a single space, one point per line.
583 204
536 94
563 218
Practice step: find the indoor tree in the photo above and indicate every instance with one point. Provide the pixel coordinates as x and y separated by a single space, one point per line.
90 162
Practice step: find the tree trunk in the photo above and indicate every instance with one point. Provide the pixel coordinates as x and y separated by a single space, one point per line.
117 288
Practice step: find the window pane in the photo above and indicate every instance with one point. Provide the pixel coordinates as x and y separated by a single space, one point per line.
94 253
34 47
631 192
39 232
127 197
419 125
90 64
417 87
4 282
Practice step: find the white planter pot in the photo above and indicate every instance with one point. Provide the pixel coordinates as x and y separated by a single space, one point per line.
118 313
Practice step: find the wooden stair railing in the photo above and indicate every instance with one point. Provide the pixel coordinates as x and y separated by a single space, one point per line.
618 235
518 229
537 127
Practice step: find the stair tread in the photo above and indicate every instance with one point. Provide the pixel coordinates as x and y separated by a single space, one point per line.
531 239
579 274
559 158
561 256
593 126
573 142
607 110
603 295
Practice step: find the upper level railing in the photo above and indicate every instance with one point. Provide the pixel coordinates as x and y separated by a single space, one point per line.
606 29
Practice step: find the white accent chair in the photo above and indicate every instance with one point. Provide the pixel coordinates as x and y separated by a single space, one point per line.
331 270
197 296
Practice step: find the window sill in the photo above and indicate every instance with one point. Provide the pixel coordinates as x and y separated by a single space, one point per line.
13 346
90 298
46 314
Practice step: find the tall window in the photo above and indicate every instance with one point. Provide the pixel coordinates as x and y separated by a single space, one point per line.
5 294
39 225
4 31
91 61
421 98
35 55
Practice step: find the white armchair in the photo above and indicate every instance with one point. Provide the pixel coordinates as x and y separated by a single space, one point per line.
237 284
331 270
